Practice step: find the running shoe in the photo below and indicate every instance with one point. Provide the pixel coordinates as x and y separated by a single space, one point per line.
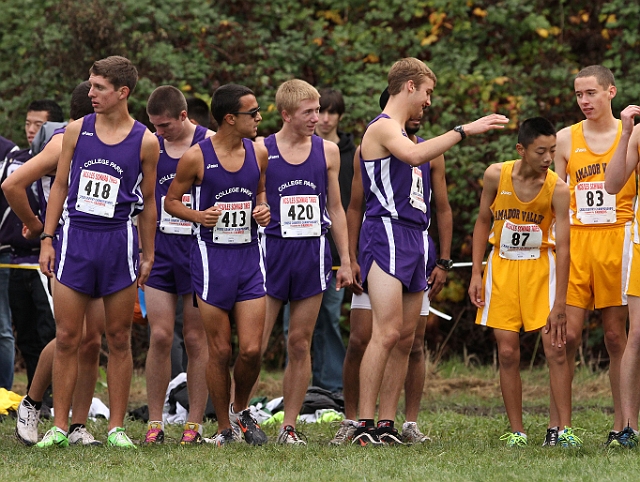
155 434
514 439
53 438
191 434
289 436
551 439
568 439
365 436
612 439
389 435
628 438
253 434
27 423
411 434
226 437
345 433
81 436
119 438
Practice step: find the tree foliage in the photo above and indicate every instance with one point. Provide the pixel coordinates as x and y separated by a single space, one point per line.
508 56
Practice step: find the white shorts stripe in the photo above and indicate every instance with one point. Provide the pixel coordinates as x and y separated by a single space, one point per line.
487 288
392 244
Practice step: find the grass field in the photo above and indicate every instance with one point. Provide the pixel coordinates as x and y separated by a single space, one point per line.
462 411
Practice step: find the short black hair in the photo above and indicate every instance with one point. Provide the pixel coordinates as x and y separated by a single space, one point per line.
198 110
332 100
226 100
80 102
533 128
51 106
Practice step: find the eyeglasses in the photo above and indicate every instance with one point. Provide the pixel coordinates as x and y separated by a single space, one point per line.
253 112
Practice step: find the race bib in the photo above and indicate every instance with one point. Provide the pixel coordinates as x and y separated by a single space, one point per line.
520 241
172 225
416 199
594 204
97 193
300 216
234 223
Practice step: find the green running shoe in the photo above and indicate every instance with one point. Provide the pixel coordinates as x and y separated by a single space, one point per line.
569 439
53 438
515 439
120 439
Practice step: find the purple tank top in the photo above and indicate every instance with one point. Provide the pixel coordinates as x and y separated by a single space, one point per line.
233 192
45 182
297 193
104 180
426 185
166 171
394 189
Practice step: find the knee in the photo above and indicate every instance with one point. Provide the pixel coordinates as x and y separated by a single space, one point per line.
298 348
90 348
161 338
574 338
67 340
195 343
220 351
357 344
615 342
417 350
250 355
555 356
509 356
119 341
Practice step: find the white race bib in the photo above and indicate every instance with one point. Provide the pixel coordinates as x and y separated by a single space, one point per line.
520 241
594 204
172 225
416 199
300 216
234 223
97 193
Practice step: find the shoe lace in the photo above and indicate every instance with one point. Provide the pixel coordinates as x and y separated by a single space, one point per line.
569 437
514 439
152 435
84 435
291 433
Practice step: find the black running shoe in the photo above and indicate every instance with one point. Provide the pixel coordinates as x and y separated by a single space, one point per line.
612 437
365 436
389 436
253 434
551 439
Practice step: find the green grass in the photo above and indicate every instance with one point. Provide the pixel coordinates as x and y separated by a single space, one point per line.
465 423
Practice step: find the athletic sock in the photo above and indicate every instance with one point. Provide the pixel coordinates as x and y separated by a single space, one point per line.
33 403
75 426
366 423
385 423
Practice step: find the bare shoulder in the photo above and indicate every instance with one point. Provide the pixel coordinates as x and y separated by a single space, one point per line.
331 147
261 149
209 133
561 187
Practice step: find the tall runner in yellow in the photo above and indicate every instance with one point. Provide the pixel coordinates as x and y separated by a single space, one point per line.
622 169
523 286
600 226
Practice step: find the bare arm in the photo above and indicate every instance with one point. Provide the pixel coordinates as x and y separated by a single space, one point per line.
388 137
625 158
557 320
149 154
481 232
190 170
563 151
262 212
444 216
337 215
15 186
354 221
58 195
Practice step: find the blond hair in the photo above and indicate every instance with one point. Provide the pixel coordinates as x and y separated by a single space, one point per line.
292 92
406 69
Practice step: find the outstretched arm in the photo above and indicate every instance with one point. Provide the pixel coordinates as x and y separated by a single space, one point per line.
625 158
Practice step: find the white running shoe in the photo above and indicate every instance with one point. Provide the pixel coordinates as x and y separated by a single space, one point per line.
27 423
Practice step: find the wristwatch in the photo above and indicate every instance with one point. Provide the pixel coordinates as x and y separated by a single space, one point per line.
44 236
445 264
460 130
